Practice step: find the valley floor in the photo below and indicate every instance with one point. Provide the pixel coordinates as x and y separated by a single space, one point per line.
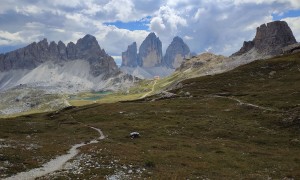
235 125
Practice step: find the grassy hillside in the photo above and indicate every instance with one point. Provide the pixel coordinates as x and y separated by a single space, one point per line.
201 65
240 124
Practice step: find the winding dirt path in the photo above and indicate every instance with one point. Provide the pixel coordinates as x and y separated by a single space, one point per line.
246 104
155 81
57 163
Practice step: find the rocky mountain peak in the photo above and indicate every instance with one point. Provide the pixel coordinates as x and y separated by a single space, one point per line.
86 48
43 43
62 50
176 52
129 57
151 35
88 42
177 39
53 48
270 38
150 52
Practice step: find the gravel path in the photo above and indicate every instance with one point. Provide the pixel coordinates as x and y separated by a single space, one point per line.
55 164
149 91
246 104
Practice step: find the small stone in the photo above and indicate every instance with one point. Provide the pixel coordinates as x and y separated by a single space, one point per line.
134 135
272 73
187 94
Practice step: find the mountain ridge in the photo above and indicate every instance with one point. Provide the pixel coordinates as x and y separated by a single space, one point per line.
83 66
35 54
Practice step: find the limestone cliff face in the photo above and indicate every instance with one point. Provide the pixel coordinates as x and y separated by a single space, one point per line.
130 57
150 52
270 38
273 36
176 52
86 48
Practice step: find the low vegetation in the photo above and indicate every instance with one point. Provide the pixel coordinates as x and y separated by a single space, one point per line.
240 124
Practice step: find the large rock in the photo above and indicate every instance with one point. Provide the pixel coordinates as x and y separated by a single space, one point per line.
130 57
270 38
86 48
176 52
150 52
294 48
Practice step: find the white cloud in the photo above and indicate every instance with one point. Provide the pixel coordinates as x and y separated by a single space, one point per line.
7 38
220 26
117 40
68 3
167 23
199 13
157 24
291 3
188 37
294 23
118 60
29 10
170 19
18 38
122 9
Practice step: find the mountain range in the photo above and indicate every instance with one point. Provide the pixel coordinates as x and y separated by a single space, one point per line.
240 124
149 60
271 39
55 67
234 117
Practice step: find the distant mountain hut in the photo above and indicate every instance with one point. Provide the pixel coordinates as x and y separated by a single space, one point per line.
156 77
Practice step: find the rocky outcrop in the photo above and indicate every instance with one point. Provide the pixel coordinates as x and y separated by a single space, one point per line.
176 52
62 53
247 46
149 62
270 38
205 60
86 48
294 48
130 57
150 52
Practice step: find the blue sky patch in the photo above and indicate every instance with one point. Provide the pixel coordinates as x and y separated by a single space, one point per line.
142 24
292 13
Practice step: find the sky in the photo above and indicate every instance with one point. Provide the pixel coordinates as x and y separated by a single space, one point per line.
218 26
